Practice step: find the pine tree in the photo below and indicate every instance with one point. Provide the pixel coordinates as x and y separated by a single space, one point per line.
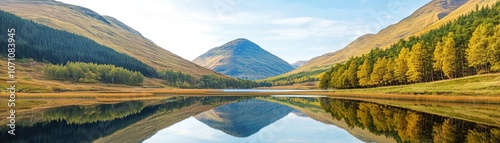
415 63
401 65
364 73
449 56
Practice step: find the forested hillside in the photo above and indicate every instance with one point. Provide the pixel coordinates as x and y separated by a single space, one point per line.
431 16
468 46
104 30
81 60
46 44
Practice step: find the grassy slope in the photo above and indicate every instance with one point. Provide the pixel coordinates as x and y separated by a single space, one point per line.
31 79
488 84
421 21
104 30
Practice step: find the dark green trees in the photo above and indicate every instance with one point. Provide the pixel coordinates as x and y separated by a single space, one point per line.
79 72
46 44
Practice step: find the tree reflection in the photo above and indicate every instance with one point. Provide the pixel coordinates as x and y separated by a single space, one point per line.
406 125
90 122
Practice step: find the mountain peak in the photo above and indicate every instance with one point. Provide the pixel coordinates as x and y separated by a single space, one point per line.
242 58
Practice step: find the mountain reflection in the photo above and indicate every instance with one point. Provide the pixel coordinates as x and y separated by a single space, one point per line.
242 117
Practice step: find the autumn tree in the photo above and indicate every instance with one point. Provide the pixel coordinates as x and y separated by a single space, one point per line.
379 69
494 47
325 80
478 53
338 77
415 63
401 65
352 75
438 60
389 73
363 73
449 56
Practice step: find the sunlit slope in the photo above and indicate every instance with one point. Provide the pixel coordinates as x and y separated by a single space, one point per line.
104 30
434 12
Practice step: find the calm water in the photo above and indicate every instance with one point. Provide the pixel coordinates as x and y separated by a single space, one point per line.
244 119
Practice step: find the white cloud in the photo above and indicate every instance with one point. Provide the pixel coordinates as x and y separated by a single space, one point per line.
298 28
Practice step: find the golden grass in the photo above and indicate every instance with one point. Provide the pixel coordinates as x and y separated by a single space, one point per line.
479 85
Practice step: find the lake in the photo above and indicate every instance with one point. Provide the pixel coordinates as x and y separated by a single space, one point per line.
252 119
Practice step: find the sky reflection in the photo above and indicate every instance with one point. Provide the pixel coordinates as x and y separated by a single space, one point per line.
290 129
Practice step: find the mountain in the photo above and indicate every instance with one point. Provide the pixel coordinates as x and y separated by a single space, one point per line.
104 30
430 16
242 119
244 59
298 64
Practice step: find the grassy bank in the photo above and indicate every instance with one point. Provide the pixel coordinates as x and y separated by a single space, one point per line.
483 85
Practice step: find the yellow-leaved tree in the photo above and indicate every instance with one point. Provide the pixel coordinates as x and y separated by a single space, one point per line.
478 54
449 57
401 65
494 47
364 73
379 69
416 63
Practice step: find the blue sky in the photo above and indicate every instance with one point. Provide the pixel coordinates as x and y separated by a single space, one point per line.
291 29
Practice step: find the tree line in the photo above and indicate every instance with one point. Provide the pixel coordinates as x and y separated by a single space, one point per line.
45 44
300 77
182 80
79 72
468 46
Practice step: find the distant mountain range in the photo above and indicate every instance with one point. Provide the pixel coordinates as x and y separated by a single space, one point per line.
243 59
298 64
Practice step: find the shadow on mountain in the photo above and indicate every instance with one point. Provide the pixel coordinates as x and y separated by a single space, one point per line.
245 118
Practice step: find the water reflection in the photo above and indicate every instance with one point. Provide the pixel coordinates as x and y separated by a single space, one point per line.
405 125
254 120
244 119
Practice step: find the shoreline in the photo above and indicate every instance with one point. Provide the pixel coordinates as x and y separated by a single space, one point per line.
482 99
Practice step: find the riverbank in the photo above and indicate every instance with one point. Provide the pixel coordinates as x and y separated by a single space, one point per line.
213 92
478 85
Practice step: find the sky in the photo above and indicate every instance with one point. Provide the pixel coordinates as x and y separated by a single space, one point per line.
291 29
